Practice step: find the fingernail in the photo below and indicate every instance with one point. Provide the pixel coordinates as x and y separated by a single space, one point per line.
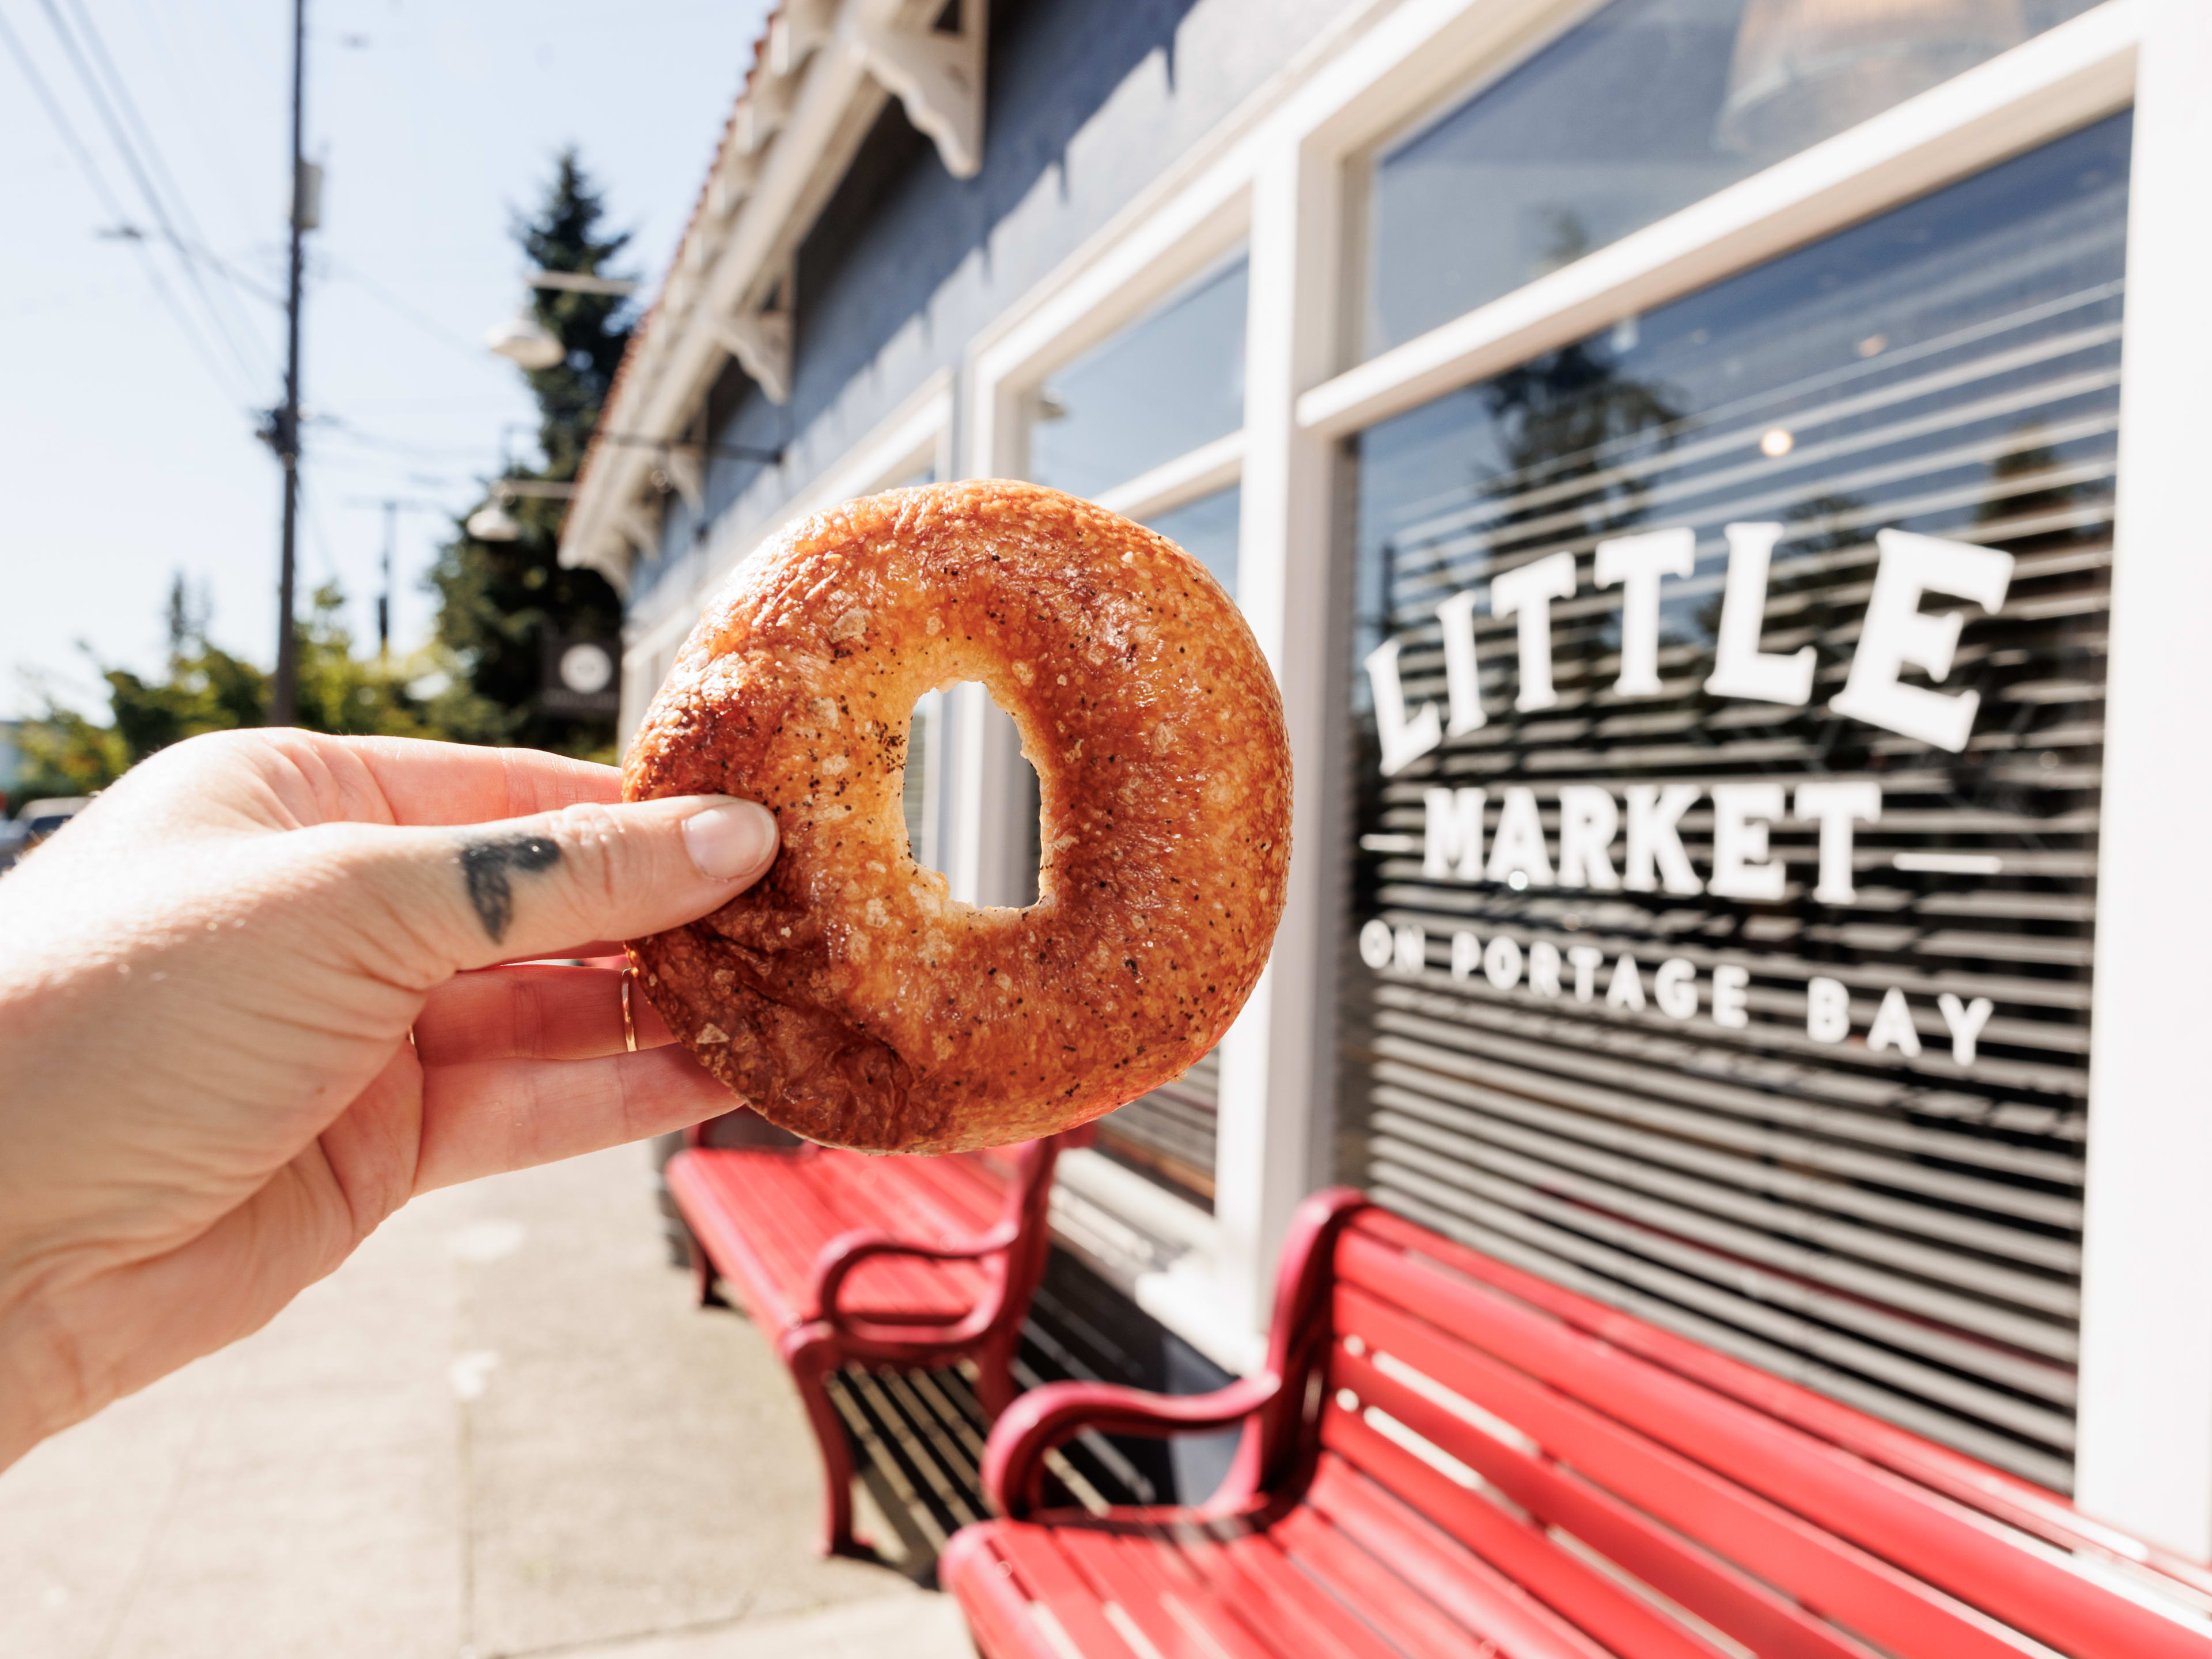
731 841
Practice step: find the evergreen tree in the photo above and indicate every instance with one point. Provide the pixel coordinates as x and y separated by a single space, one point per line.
499 600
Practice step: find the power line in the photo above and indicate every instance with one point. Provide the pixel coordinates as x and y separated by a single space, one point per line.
156 161
60 118
106 108
129 106
401 308
196 245
345 429
212 134
312 502
230 273
244 282
108 200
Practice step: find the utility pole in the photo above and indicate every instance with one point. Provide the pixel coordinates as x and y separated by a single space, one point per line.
284 695
383 599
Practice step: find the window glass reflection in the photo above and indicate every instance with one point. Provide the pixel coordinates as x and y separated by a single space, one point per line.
1678 970
1168 382
1648 107
1206 530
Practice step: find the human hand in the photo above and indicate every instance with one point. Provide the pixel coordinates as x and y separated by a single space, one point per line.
208 981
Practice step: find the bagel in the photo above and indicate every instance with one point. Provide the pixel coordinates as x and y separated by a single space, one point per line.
848 996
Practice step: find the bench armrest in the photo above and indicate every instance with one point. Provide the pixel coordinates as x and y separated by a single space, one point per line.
1044 1418
848 1250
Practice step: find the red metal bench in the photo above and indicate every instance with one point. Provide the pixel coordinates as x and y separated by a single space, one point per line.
1447 1455
848 1258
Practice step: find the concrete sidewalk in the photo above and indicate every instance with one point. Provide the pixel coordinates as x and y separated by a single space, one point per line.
500 1429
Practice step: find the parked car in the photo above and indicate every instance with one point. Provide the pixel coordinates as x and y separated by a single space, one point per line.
38 820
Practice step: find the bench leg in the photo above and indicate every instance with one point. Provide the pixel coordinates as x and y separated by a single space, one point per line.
702 1271
995 1372
811 1357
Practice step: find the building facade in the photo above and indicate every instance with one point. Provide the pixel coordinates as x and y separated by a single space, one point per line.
1709 476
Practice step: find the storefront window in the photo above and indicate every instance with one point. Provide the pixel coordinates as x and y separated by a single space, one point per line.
1644 109
1163 386
1206 530
1727 730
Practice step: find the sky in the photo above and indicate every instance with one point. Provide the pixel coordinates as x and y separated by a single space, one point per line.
127 451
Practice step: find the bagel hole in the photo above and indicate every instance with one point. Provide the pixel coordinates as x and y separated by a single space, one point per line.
1013 799
1029 872
1016 792
921 791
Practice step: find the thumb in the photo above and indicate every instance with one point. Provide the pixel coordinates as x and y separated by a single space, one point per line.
483 893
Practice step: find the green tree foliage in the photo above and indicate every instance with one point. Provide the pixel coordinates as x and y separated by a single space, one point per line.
499 600
205 689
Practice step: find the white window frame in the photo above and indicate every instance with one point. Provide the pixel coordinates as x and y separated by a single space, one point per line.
1173 1265
1278 170
1119 291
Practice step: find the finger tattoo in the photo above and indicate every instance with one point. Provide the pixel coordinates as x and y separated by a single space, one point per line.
484 865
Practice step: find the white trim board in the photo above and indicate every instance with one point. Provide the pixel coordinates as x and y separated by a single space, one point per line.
2144 1457
1201 472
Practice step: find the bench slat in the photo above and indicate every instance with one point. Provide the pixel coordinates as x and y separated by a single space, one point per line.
1046 1576
1002 1619
1725 1598
1842 1494
843 1195
1131 1574
1990 1491
714 1220
941 1201
764 1217
1401 1610
1563 1605
1887 1605
1267 1588
903 1198
960 1188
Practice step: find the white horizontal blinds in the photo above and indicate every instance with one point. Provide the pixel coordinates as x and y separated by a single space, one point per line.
1170 1132
1830 1117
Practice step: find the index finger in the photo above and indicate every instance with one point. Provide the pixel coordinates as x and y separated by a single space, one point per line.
442 783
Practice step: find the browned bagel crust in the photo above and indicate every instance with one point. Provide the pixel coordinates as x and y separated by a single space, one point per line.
847 996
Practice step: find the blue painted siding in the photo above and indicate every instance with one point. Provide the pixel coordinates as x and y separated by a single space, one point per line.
1089 101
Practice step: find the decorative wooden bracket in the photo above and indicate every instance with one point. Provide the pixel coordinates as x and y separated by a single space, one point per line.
938 77
766 109
735 174
686 474
796 29
641 527
760 341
